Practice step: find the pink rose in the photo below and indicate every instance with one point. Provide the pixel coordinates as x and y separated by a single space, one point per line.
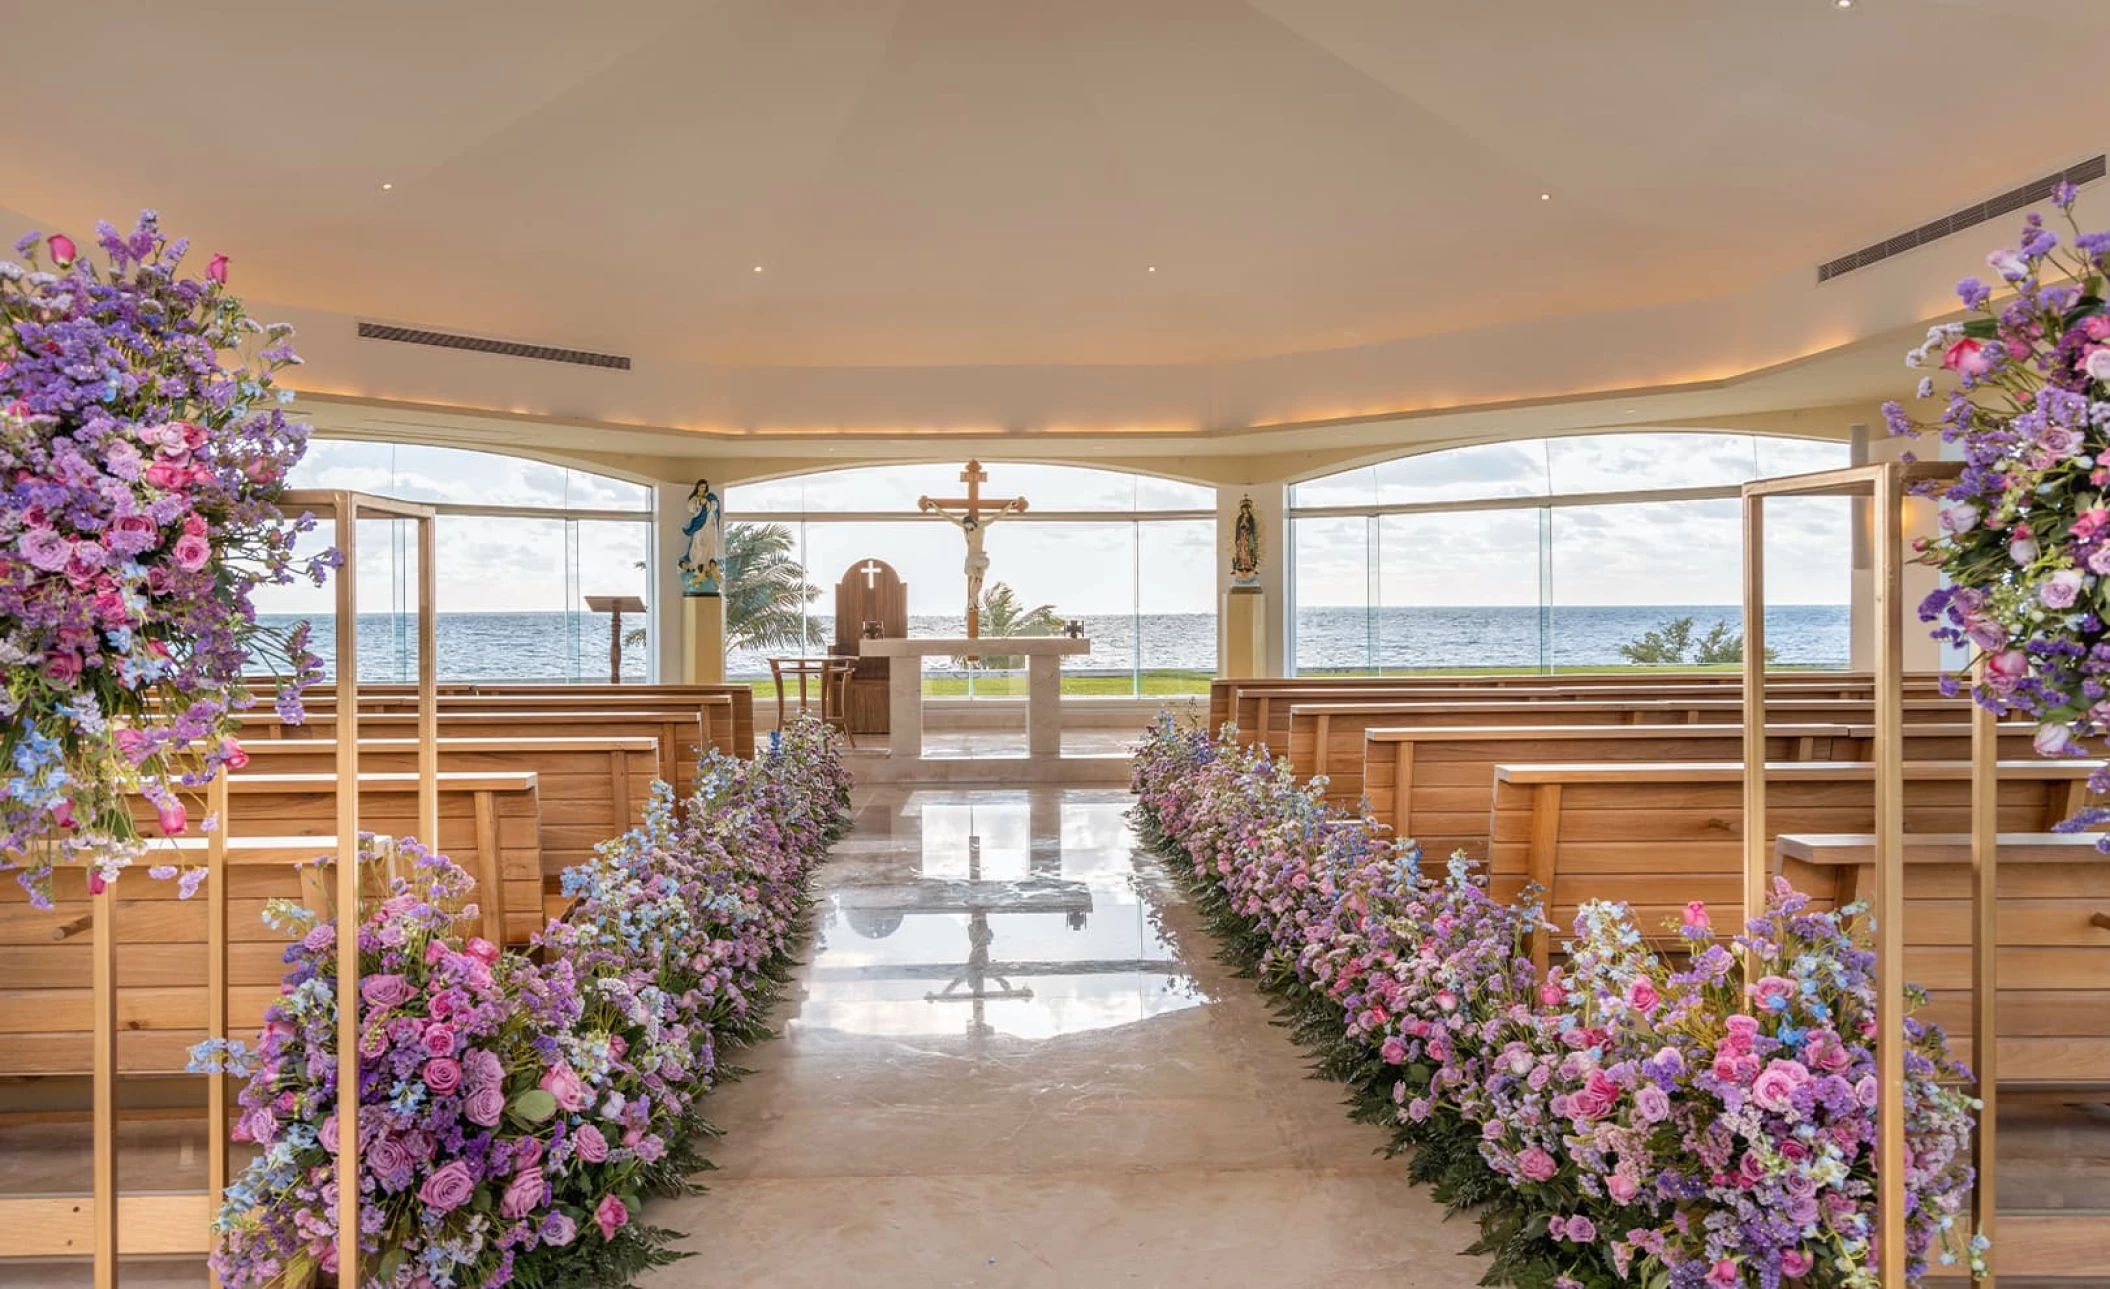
1552 995
192 553
484 1105
560 1082
443 1074
385 989
232 752
2053 740
438 1039
1599 1094
1622 1188
174 818
2007 668
389 1162
62 814
527 1152
1967 358
481 949
1581 1230
1393 1051
449 1188
1957 516
1794 1262
610 1216
167 476
216 269
62 249
1536 1165
2008 263
2022 548
523 1194
1774 992
590 1144
2090 522
1724 1275
1696 916
1641 994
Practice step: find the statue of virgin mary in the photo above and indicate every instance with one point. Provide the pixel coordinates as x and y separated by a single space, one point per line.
703 564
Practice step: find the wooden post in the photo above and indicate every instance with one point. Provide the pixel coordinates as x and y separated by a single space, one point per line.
1890 874
216 882
615 606
104 1164
348 893
1985 959
428 685
1758 863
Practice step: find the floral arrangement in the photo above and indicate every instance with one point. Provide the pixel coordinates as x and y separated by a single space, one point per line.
138 470
522 1108
1624 1121
2024 540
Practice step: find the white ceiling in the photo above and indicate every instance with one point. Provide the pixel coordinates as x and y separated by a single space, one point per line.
963 183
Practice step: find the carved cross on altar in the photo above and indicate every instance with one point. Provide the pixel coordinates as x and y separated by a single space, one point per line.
976 513
871 571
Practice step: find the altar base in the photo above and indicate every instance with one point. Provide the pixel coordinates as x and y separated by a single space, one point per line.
1043 760
1243 649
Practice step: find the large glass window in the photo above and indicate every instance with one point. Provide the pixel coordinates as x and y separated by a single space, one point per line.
1131 557
1582 552
522 545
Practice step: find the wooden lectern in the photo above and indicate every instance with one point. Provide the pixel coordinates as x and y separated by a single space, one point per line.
870 591
615 606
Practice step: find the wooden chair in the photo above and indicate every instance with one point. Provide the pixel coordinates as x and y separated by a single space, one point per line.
835 695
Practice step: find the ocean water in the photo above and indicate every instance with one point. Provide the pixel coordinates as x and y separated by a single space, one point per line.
573 647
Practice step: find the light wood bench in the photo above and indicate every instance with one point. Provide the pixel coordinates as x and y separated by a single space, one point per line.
676 736
490 826
1657 836
718 714
2054 937
587 789
1328 738
1436 785
598 695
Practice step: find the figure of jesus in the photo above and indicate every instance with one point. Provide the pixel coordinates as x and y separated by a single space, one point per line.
975 514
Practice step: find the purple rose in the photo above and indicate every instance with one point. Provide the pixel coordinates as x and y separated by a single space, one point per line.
389 1163
443 1074
523 1194
485 1105
449 1188
558 1230
1581 1230
44 549
484 1067
1651 1103
386 990
2061 589
590 1144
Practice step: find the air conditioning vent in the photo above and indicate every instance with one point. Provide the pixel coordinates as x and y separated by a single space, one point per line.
1956 221
479 345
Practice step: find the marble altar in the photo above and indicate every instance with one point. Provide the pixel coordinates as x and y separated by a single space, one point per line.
1043 654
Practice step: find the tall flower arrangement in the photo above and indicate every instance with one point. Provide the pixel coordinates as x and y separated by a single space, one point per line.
2024 540
139 461
515 1111
1697 1124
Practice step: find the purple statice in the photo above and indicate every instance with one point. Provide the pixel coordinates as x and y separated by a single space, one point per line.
140 465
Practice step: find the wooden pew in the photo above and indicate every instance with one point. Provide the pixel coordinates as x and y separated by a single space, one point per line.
1436 785
2054 938
677 736
713 715
1237 698
587 789
1658 835
1328 738
595 696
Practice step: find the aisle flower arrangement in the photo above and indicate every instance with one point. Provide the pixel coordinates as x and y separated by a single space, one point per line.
2024 539
1630 1120
142 446
517 1109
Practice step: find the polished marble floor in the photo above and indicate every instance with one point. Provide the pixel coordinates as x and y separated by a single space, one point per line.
1011 1060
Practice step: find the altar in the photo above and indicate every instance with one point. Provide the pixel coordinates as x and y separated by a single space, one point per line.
1043 655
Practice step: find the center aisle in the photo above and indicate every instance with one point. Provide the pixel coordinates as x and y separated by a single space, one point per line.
1011 1060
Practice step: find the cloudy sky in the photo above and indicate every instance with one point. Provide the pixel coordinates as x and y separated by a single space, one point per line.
1658 553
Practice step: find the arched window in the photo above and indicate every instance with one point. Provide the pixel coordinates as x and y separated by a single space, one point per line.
1563 552
522 544
1131 556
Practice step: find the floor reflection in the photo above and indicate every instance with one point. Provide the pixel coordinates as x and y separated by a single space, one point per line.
1023 914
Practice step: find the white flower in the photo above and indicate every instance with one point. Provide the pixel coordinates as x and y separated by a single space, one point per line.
2098 363
2008 263
1957 516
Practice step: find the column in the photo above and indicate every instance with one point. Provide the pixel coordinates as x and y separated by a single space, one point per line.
1264 619
905 705
1043 705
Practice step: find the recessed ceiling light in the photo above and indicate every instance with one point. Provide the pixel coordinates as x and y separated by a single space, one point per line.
1153 268
1545 196
1844 4
1630 411
758 268
387 187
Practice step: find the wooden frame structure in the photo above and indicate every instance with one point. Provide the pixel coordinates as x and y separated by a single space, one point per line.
178 1223
1885 484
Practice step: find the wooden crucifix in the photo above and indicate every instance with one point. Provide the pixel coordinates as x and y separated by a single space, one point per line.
975 514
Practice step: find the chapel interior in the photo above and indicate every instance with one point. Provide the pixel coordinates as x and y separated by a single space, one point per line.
1003 561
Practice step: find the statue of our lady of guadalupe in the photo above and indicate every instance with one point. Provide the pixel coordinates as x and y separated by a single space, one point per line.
703 564
1245 546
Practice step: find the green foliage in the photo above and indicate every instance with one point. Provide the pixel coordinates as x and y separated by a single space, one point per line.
1004 615
1672 645
766 591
